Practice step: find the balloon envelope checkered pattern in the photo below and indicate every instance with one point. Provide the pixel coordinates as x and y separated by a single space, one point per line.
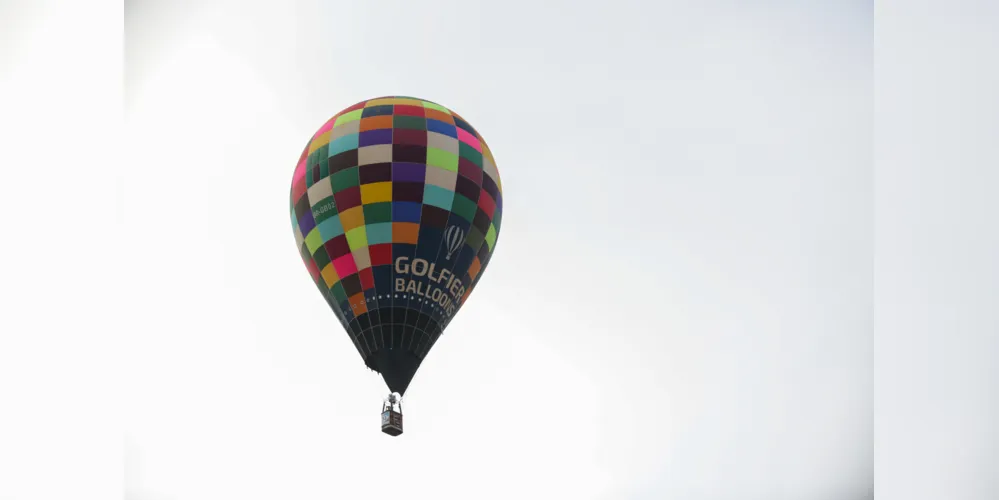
396 205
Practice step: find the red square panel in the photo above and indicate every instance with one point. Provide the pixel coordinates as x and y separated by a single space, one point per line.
486 203
470 170
381 255
355 107
367 279
411 137
405 110
348 198
337 247
313 270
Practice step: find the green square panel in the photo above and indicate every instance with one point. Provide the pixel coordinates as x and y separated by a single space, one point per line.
325 209
469 153
474 238
321 258
442 159
464 207
410 122
338 293
346 178
378 212
490 237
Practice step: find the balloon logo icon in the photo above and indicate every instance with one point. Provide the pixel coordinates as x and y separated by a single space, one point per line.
453 238
396 206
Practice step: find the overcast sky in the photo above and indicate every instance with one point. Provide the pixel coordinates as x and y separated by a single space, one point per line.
680 302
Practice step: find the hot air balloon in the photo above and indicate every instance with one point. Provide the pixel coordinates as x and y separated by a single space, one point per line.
396 206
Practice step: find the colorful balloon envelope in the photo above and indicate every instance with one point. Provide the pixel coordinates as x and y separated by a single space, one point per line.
396 206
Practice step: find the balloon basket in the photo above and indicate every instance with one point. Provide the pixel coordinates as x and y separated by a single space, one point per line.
392 416
391 422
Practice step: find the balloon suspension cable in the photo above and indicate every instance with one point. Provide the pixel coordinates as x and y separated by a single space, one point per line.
392 402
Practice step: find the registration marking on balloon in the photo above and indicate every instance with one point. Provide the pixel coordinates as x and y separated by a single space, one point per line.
396 206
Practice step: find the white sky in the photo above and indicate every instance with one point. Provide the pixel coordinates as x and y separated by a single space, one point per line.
754 355
680 301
